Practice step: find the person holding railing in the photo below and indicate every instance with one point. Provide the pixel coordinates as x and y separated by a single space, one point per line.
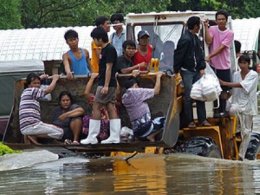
76 60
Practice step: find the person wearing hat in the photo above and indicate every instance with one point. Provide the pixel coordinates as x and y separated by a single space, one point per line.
138 110
144 50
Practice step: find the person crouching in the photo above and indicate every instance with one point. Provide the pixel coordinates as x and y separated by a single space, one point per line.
138 110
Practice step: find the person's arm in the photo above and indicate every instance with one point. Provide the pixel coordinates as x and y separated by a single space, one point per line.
87 59
104 90
157 86
135 67
208 37
215 52
73 113
90 84
98 51
52 86
226 43
180 53
230 84
65 58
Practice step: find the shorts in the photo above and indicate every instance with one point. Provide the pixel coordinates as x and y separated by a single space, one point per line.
110 97
42 128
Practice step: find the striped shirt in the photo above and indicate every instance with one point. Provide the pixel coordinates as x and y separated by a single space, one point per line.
29 110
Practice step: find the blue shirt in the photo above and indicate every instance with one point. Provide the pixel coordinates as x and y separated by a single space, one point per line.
79 66
117 42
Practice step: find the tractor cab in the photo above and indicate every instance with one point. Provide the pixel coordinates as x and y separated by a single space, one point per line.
165 29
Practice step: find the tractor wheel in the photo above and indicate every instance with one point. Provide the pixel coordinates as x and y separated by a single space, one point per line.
202 146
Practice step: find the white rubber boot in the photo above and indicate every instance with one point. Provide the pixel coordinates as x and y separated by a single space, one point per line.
115 127
94 129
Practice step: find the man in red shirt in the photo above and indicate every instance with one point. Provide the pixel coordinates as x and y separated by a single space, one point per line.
144 50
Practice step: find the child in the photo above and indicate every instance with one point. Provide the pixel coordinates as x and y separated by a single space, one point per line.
138 110
75 60
29 110
105 93
244 97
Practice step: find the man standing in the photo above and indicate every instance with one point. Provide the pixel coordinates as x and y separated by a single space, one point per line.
75 60
125 62
189 60
144 50
118 37
103 22
105 93
220 38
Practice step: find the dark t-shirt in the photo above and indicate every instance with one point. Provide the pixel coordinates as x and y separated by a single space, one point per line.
57 112
108 55
123 62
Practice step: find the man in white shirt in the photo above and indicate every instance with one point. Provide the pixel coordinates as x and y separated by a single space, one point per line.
244 99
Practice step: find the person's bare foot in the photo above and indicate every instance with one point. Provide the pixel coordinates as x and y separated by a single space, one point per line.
151 137
75 142
26 140
33 140
205 123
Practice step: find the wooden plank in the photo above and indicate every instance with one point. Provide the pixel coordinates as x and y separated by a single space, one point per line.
124 147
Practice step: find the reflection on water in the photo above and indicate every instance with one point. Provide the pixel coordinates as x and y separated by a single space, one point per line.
173 174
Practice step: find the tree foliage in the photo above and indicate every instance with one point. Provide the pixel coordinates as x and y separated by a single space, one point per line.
56 13
10 14
49 13
236 8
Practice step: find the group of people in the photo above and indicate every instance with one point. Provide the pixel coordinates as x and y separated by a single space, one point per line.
109 56
190 62
116 54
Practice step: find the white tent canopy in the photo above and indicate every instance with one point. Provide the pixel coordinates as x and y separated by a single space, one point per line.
21 66
247 32
40 43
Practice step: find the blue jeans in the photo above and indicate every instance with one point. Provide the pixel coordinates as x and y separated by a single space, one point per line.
188 79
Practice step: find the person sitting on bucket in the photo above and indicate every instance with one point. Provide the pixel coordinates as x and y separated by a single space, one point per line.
30 113
138 110
68 116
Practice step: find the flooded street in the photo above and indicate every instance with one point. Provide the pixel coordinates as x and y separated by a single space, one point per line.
150 174
142 174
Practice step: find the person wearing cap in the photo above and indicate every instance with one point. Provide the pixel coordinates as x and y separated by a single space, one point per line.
101 21
144 50
119 36
138 110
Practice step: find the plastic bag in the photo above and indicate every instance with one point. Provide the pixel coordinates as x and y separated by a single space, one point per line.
210 87
196 91
207 88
